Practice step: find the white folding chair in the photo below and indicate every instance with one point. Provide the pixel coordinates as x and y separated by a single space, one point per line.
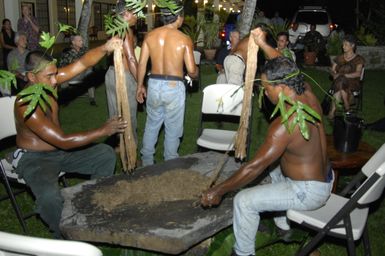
8 175
344 217
13 245
222 103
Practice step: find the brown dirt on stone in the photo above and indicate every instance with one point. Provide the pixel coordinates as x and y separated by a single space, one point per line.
174 185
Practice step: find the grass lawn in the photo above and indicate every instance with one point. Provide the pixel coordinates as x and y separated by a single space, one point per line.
80 115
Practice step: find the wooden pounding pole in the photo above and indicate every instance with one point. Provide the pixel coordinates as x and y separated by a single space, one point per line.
127 143
251 68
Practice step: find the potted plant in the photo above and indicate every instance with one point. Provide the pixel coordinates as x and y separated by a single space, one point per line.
192 27
210 31
334 46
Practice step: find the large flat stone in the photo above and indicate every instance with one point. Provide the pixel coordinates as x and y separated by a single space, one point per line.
172 227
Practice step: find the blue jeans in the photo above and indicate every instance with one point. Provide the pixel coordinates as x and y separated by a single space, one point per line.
282 194
165 104
40 171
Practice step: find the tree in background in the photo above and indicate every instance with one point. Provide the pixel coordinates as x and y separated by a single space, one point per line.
84 21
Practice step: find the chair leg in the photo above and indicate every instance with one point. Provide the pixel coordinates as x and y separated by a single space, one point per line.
14 202
365 239
309 247
349 236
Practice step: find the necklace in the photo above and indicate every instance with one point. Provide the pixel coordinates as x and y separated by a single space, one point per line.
349 56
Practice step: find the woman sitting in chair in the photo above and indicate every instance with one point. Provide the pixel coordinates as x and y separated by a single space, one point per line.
346 72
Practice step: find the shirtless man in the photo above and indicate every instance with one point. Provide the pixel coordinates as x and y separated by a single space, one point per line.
168 49
44 149
130 69
303 178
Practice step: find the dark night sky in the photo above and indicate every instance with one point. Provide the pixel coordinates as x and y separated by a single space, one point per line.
342 11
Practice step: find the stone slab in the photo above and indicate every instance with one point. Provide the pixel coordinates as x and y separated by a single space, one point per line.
172 227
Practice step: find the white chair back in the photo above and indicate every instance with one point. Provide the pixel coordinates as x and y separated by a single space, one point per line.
7 119
197 57
223 99
13 245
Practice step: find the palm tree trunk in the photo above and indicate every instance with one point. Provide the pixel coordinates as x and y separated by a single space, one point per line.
247 17
84 21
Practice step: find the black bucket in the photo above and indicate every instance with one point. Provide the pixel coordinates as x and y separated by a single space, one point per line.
347 133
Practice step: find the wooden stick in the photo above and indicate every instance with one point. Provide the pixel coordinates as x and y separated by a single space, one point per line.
127 141
251 68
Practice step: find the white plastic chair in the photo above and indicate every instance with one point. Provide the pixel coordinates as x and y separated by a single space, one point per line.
221 103
13 245
346 217
7 172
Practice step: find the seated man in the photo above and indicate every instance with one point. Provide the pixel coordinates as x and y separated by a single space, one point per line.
223 52
303 178
16 59
282 43
45 150
75 52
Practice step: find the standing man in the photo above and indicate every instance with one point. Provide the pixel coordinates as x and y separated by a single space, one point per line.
282 43
169 49
130 68
303 178
75 52
44 150
222 54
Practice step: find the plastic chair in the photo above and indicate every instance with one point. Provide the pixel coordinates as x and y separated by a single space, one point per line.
7 174
343 217
13 245
222 104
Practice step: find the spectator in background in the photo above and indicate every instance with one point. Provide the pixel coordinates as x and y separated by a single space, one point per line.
7 40
222 54
282 43
29 25
277 20
261 18
75 52
16 59
313 40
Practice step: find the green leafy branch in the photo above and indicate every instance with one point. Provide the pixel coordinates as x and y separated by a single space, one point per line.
47 41
304 113
172 5
35 95
7 80
136 6
115 25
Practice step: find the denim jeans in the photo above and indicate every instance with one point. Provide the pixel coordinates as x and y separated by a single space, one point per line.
165 104
282 194
40 171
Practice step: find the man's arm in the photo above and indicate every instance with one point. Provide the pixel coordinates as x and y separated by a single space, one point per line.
192 69
87 60
142 67
50 132
128 49
260 39
271 150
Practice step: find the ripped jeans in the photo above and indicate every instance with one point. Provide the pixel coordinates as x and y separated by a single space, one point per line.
282 194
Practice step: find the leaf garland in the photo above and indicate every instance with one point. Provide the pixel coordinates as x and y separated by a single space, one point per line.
7 79
115 25
35 95
172 5
304 113
136 6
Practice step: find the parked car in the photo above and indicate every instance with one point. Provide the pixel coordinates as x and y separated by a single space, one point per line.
303 18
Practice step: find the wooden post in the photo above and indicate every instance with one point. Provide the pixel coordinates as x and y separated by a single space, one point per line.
251 68
127 140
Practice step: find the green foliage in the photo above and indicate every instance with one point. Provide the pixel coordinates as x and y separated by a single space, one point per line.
192 27
36 95
274 29
173 5
115 25
304 114
136 6
210 31
47 41
7 79
334 45
222 15
365 37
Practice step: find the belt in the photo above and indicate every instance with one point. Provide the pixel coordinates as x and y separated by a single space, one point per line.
166 77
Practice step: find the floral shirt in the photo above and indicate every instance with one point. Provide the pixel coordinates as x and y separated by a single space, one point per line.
70 56
32 35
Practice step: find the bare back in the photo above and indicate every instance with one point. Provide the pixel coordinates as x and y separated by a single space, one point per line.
169 49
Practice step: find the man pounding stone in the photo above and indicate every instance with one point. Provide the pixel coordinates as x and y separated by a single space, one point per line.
303 178
44 150
169 49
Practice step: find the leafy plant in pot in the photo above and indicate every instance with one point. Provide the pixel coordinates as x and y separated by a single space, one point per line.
192 27
334 46
210 31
